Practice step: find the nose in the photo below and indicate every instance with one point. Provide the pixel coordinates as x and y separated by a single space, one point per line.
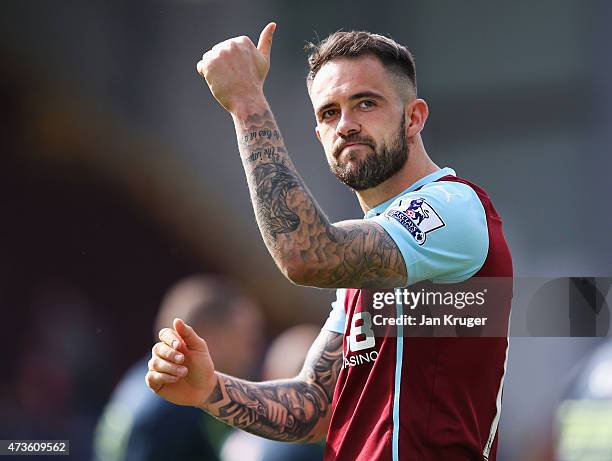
347 125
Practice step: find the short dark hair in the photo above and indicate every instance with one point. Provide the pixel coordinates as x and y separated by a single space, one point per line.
199 299
395 57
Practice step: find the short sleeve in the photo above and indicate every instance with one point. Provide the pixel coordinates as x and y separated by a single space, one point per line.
337 317
441 231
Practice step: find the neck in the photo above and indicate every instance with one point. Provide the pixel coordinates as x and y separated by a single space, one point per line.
416 167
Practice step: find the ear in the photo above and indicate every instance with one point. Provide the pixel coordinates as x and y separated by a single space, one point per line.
317 133
416 115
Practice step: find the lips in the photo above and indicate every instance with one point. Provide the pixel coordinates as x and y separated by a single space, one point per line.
352 144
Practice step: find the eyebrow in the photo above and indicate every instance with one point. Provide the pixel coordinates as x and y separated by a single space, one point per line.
360 95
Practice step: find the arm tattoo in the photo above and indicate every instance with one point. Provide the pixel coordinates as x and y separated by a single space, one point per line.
289 409
355 254
274 181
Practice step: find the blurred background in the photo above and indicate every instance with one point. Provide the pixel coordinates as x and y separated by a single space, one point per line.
119 175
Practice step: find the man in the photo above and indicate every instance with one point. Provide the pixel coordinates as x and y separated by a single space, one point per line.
138 426
413 398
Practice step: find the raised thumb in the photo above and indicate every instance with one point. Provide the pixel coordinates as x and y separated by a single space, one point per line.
191 338
264 45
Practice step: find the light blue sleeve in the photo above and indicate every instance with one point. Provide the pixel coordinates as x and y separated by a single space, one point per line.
337 317
441 231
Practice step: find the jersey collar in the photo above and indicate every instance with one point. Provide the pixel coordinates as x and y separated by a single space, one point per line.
378 209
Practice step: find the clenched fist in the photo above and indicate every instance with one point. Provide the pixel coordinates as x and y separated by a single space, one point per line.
235 69
180 369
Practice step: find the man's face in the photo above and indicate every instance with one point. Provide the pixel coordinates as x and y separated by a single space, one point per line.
236 341
360 120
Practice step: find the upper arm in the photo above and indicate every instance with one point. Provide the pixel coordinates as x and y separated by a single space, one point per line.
355 254
441 231
321 369
438 233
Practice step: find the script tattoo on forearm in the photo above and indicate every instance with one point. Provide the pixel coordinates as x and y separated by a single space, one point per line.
356 254
287 410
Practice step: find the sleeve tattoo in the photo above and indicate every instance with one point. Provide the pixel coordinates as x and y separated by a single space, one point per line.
352 254
290 410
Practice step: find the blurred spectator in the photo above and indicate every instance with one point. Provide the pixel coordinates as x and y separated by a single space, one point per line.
584 418
136 424
52 373
284 359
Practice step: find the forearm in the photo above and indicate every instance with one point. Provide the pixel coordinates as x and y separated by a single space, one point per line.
287 214
291 410
307 248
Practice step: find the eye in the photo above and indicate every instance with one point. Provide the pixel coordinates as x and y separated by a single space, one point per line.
326 114
367 103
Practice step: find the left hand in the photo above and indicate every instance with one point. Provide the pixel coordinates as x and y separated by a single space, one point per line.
181 369
235 69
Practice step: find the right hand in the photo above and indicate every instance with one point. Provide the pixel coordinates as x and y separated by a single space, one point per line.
235 69
181 369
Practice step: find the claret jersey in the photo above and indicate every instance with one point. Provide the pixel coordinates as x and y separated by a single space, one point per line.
423 398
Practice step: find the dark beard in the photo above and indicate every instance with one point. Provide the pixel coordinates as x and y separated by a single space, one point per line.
377 167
